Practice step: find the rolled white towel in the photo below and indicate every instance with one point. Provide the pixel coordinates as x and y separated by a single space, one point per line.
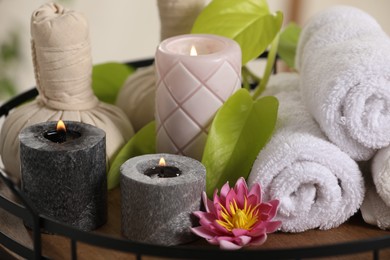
343 59
380 170
317 184
375 210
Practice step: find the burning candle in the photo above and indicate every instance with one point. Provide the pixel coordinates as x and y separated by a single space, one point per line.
193 51
196 74
60 135
157 209
63 172
162 170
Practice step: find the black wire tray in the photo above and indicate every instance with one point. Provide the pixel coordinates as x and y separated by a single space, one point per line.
24 210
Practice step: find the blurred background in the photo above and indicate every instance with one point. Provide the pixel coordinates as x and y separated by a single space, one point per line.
124 30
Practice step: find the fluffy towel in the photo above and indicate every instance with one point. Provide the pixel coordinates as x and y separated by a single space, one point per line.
317 184
63 68
375 210
376 205
343 58
380 170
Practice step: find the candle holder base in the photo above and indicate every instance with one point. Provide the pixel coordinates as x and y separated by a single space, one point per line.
159 210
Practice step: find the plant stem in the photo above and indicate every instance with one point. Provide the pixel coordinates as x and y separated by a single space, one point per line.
268 67
245 76
249 78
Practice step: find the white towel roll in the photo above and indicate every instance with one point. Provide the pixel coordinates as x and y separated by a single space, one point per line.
381 174
375 210
317 184
343 56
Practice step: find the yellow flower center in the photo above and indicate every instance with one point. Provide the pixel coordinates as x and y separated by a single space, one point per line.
238 218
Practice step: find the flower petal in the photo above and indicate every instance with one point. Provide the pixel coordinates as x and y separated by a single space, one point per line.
202 214
216 199
274 209
268 226
208 204
202 232
265 208
206 223
220 229
252 200
227 238
230 198
259 240
241 191
224 191
241 186
272 226
218 210
257 231
239 232
205 219
213 241
224 244
244 240
256 191
215 230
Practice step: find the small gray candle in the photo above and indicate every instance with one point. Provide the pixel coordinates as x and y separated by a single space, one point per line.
66 179
158 210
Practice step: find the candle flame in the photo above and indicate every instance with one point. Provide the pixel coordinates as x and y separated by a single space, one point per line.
162 162
193 51
61 126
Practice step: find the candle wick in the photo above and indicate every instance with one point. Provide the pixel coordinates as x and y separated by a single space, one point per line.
63 135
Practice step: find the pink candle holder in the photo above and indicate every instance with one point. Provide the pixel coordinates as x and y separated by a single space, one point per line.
191 88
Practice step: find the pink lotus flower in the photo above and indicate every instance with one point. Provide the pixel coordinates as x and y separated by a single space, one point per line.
236 218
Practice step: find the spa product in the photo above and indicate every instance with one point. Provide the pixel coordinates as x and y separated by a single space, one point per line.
63 65
65 178
157 209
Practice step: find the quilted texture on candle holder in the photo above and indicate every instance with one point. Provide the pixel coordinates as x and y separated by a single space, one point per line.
191 96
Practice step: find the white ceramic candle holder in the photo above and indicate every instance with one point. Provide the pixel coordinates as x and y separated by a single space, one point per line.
191 88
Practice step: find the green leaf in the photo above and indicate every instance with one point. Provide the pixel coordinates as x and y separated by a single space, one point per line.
108 78
10 49
143 142
249 22
288 44
239 130
7 88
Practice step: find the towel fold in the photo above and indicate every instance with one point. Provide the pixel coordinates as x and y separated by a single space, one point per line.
317 184
376 205
343 57
380 170
375 210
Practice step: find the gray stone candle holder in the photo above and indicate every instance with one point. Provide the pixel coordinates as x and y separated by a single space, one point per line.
66 181
159 210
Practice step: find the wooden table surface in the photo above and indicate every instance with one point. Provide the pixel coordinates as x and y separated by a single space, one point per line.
58 247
